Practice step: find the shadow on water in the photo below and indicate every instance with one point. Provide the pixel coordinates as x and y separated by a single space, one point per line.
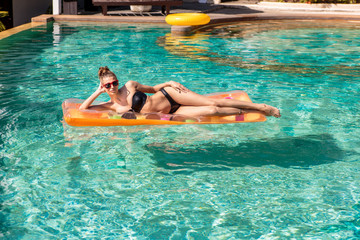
293 152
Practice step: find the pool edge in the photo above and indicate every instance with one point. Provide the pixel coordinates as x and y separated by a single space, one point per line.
12 31
216 19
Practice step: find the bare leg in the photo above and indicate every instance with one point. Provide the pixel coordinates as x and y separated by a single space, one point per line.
193 99
208 111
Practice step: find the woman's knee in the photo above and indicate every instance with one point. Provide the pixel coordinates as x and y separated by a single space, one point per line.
213 110
219 102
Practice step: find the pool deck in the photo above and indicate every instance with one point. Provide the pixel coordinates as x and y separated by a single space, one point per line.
229 11
225 12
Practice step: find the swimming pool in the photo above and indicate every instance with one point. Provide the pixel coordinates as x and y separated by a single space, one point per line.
294 177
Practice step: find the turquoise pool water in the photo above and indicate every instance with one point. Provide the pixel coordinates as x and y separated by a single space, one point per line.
295 177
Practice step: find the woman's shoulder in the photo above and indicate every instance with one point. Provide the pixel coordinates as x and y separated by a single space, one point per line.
131 84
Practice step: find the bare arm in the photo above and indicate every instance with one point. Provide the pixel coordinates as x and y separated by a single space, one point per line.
87 103
153 89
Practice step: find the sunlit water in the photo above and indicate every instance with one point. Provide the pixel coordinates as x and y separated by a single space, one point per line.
294 177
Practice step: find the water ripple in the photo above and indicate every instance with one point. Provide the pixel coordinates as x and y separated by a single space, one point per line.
294 177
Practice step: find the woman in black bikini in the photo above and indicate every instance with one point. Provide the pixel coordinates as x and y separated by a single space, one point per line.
170 97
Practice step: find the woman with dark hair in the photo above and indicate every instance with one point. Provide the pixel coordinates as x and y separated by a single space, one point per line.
170 97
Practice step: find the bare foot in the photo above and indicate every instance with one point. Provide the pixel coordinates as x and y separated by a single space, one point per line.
271 111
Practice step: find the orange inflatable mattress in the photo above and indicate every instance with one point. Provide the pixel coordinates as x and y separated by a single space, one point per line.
81 118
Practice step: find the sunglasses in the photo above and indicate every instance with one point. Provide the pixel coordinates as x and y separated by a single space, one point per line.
108 85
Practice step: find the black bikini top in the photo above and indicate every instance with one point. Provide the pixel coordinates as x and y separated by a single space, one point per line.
138 101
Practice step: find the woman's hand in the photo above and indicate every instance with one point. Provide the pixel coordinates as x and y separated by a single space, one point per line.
178 87
86 104
101 89
148 89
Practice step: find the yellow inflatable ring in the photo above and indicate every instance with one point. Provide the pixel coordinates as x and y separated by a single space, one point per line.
187 19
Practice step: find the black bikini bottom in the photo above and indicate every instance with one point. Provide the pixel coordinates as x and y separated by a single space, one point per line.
174 105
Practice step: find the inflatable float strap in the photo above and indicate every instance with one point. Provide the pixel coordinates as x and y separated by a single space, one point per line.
187 19
81 118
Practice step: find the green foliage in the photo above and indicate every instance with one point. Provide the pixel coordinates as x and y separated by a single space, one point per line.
3 14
